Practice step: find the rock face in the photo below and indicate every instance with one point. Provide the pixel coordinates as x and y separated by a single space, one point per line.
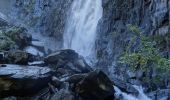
20 80
152 16
47 16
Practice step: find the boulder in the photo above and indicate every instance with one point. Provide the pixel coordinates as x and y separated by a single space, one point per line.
10 98
17 36
74 78
161 94
63 95
6 43
124 86
17 57
67 62
95 86
34 51
20 80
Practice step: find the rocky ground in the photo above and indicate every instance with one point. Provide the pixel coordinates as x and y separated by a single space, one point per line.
28 72
61 75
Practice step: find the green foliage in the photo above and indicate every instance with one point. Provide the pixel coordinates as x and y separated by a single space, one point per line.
146 54
5 42
8 39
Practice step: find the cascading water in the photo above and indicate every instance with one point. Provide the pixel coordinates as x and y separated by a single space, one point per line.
80 32
125 96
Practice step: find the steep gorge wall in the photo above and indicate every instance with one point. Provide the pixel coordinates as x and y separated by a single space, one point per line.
44 16
152 16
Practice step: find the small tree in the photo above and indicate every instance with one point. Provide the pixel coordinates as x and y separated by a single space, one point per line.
146 55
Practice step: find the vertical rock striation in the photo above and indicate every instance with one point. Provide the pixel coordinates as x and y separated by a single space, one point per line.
152 16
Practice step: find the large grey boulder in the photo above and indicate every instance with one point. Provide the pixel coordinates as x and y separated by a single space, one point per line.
95 86
67 62
20 80
17 57
63 95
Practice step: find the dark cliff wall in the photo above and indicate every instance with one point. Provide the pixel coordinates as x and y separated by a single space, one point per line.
45 16
152 16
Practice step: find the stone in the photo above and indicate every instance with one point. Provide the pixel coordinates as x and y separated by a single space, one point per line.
10 98
34 51
160 94
124 86
37 63
74 78
16 57
96 86
20 80
6 43
67 62
67 55
63 95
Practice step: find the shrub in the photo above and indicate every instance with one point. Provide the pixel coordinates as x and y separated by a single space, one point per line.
146 53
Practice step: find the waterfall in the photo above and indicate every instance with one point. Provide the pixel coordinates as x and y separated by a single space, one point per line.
80 32
125 96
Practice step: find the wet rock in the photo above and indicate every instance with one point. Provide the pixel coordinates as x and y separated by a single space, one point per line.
10 98
160 94
6 43
15 57
34 51
57 82
67 62
63 95
67 55
74 78
37 63
96 86
20 80
124 86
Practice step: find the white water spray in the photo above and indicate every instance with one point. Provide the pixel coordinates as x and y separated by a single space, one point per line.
80 32
2 16
126 96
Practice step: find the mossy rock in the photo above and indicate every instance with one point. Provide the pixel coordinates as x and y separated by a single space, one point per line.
14 37
6 43
17 57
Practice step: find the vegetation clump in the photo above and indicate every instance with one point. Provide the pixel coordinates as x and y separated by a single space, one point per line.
146 54
13 38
